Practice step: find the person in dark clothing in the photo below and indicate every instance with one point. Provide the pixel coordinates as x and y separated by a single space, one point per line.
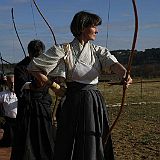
34 133
82 121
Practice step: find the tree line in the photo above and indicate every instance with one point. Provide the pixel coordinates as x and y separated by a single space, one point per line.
146 64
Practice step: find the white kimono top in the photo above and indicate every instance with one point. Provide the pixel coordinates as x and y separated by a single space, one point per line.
75 62
9 101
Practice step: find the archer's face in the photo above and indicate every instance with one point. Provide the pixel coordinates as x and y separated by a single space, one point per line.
10 83
89 33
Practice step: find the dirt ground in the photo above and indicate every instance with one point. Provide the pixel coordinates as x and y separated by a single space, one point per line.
137 134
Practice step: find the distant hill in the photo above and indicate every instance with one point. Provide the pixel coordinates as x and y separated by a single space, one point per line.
145 64
149 56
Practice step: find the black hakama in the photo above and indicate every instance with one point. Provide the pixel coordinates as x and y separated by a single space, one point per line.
82 122
34 134
34 137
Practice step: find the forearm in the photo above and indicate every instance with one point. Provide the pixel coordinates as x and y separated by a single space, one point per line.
121 71
118 69
43 80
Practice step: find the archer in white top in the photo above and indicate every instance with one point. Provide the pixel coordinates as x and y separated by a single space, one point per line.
8 98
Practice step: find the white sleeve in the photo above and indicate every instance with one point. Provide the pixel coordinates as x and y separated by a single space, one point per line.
105 57
47 61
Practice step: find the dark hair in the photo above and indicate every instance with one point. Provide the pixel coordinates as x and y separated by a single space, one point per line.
82 20
35 48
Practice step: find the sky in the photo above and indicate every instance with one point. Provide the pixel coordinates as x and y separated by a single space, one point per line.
117 23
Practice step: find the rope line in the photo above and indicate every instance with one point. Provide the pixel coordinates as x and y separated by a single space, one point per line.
34 23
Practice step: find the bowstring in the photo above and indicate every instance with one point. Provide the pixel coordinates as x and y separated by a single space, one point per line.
108 22
34 23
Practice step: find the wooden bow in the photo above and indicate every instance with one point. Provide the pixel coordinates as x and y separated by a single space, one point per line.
55 42
14 24
45 21
128 72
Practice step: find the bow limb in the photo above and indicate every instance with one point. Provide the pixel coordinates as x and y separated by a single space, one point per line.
127 73
6 61
45 21
17 33
55 42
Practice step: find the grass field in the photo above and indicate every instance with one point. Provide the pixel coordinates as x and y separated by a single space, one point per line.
137 133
